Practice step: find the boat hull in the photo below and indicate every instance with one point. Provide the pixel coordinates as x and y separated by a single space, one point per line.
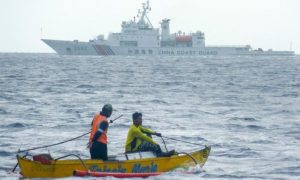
65 168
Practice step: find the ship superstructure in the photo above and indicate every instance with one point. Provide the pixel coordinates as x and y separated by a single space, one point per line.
139 37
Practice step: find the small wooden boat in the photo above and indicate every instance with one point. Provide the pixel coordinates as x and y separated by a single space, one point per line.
140 162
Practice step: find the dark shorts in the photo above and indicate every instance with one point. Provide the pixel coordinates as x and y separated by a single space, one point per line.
99 151
146 146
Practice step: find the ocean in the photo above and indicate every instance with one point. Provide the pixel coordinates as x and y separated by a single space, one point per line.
246 108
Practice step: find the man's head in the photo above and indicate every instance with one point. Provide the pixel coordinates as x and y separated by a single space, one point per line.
137 118
107 110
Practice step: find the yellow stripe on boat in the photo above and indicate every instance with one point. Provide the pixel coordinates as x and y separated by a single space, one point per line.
65 168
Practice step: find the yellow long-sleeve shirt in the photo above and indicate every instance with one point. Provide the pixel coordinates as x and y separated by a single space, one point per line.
135 137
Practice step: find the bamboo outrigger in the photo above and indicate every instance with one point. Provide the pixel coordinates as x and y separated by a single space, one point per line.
144 162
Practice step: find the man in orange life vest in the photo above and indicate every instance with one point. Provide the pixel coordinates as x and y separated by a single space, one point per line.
98 137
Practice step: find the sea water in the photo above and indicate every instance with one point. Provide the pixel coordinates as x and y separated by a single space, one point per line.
246 108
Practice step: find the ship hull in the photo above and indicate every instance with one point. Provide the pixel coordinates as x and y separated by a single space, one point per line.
95 49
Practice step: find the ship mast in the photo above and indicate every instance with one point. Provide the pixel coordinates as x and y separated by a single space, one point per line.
146 10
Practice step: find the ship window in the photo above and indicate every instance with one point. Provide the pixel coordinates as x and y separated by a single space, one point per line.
128 43
143 51
150 51
130 51
136 51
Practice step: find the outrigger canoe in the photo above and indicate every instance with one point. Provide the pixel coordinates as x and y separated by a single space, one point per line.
140 162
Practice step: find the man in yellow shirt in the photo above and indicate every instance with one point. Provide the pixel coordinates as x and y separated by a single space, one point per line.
139 138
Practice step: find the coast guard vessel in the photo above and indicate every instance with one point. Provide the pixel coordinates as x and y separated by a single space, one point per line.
139 37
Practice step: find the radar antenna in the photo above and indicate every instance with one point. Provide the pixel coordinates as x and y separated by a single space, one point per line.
143 14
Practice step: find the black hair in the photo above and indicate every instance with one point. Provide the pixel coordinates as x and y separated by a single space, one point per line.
106 110
136 115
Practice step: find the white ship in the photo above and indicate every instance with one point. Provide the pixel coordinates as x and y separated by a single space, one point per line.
139 37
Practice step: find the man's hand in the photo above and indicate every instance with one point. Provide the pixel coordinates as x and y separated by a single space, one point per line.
158 134
89 145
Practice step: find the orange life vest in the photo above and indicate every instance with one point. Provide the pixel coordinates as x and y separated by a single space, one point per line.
95 125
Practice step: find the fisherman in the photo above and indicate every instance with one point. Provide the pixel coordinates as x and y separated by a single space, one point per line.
98 137
139 138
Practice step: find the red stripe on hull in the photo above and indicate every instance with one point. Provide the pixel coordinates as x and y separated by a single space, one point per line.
116 174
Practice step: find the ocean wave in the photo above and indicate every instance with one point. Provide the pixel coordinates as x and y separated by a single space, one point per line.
241 127
119 125
290 170
242 106
263 142
238 153
3 111
296 85
84 86
5 153
87 92
247 119
16 125
31 100
13 76
158 101
290 94
255 127
293 133
6 97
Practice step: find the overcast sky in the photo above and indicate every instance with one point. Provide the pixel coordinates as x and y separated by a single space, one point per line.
260 23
